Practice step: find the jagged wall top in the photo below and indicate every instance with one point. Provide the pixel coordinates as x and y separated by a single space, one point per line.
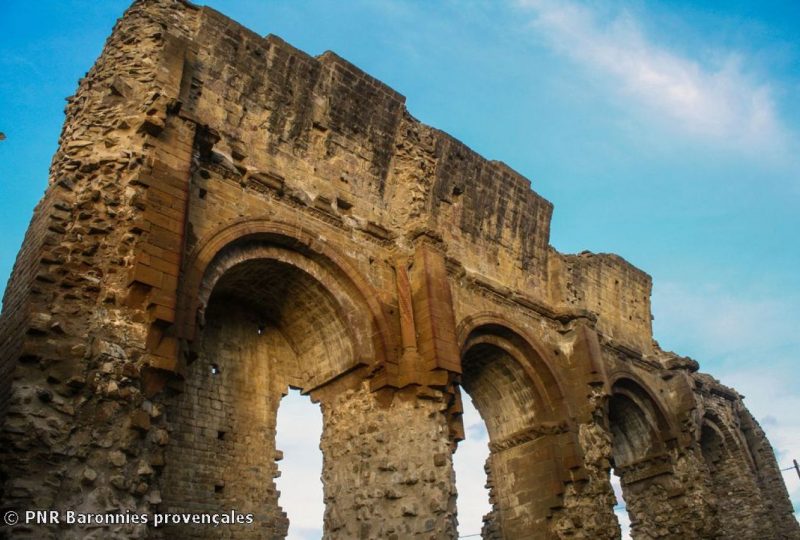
341 143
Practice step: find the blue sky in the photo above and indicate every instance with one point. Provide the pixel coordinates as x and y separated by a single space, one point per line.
666 132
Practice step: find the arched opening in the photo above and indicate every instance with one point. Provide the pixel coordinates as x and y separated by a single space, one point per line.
518 399
639 459
300 486
294 313
269 325
469 463
634 435
712 446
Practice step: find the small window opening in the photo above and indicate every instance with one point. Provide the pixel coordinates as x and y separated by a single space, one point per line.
218 488
221 435
215 369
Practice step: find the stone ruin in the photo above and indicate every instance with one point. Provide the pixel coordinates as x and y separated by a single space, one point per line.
228 217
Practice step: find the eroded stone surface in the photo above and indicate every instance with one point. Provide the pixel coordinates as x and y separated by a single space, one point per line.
228 217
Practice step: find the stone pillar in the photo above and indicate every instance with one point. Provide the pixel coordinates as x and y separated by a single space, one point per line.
433 316
588 507
387 466
667 497
587 510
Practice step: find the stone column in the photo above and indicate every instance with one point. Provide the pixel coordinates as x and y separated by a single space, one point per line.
387 466
588 507
667 497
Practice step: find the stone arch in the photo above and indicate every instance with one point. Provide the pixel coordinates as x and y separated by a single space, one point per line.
527 417
642 439
269 312
300 247
532 356
712 442
316 317
731 436
639 426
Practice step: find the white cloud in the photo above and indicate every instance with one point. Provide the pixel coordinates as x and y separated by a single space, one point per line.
624 523
722 103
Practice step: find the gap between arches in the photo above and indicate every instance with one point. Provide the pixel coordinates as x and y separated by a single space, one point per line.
299 428
468 461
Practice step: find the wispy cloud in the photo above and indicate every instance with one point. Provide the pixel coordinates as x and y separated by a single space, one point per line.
722 103
727 327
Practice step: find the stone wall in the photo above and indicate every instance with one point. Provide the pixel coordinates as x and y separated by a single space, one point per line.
228 217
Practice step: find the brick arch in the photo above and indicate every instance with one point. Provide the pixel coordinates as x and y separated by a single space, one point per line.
712 439
316 316
298 246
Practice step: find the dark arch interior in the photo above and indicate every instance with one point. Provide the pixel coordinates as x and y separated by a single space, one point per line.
632 433
292 307
511 385
638 429
268 326
500 388
712 446
519 401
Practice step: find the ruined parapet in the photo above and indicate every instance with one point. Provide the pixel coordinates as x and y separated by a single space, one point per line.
228 217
